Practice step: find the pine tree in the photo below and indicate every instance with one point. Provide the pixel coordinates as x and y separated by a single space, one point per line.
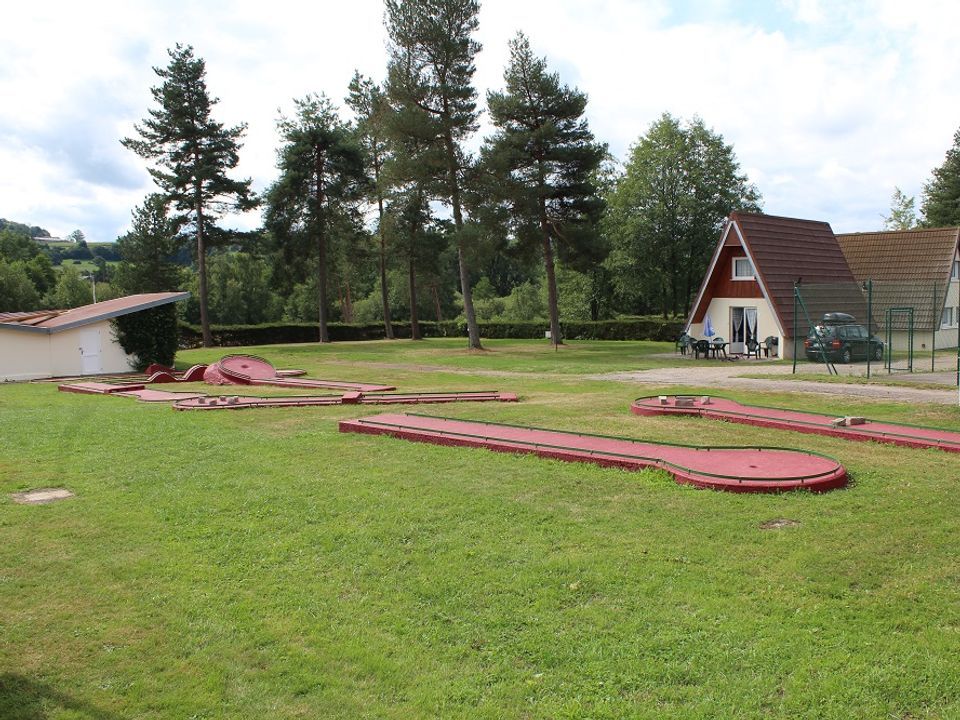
321 181
191 155
544 157
430 79
941 196
147 251
369 103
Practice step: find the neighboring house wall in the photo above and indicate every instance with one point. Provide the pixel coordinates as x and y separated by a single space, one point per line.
31 356
947 334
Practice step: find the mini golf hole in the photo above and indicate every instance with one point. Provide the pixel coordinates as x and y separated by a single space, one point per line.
778 523
39 496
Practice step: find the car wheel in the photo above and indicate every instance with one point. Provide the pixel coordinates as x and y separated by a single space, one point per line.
878 352
846 356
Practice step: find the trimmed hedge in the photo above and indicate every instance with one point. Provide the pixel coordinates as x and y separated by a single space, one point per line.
642 328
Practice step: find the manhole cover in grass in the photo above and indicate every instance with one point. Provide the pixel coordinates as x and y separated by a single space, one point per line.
41 495
778 523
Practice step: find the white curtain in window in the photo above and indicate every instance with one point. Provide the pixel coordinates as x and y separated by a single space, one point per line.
737 325
751 316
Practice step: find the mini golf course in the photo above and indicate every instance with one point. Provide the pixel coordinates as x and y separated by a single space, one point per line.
240 402
742 469
252 370
849 428
247 370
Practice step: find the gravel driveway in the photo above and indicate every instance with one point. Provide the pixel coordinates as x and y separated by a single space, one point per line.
780 380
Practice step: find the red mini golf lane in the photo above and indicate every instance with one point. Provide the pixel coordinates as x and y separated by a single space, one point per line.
814 423
733 469
239 402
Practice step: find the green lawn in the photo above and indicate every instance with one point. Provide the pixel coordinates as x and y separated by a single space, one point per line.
258 564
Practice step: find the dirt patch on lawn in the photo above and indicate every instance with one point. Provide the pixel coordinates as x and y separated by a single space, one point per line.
41 496
778 524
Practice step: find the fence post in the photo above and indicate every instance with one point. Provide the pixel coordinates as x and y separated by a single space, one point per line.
795 291
933 333
869 288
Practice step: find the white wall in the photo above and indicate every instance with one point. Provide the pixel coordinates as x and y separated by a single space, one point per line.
720 315
28 356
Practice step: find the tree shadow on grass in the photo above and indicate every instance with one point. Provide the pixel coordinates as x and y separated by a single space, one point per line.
23 698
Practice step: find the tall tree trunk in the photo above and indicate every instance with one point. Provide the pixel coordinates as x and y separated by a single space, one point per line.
414 314
553 308
348 308
321 252
384 293
473 332
436 302
322 284
202 273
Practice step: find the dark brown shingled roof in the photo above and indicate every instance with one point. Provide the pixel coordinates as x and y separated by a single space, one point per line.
909 268
785 250
922 256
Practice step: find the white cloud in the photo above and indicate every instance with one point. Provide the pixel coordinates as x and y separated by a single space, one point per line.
828 106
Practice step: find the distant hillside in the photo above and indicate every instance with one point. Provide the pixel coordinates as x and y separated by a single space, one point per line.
31 230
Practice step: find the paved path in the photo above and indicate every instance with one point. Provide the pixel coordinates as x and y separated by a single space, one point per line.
728 376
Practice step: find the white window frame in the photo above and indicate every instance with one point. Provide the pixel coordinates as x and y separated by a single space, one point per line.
955 270
751 276
949 317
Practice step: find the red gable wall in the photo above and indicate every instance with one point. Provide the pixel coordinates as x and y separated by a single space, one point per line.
722 283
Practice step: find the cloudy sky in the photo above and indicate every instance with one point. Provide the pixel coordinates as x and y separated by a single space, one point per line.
828 105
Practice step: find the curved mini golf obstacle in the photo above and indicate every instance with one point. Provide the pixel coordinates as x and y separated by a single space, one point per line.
740 469
240 402
253 370
849 428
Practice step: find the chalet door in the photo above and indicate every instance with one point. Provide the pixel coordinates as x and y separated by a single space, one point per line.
743 328
90 361
736 330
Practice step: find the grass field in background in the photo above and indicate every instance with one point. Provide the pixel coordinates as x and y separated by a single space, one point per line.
259 564
81 266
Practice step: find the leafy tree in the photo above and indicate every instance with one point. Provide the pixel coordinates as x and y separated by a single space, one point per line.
41 272
903 215
321 181
544 157
31 231
17 291
430 81
77 237
240 290
666 211
148 251
191 155
17 245
369 103
71 290
941 196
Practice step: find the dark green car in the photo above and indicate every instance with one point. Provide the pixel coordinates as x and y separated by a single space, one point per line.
842 343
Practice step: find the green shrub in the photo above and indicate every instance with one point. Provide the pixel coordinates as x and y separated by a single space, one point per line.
150 336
